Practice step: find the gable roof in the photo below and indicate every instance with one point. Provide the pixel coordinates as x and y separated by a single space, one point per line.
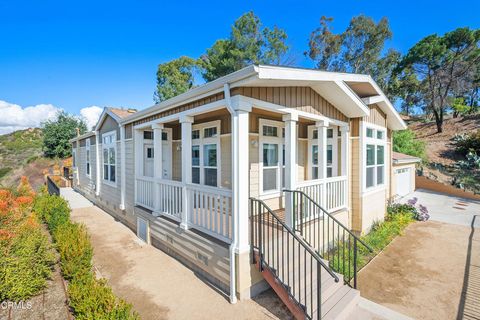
118 114
350 93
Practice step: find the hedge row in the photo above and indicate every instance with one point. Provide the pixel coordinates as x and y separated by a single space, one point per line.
26 255
89 298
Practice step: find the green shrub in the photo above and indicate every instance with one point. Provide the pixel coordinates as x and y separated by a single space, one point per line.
53 209
465 143
25 265
4 171
93 299
404 141
73 245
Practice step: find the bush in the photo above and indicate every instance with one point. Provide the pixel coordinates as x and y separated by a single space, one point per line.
465 143
26 256
53 209
93 299
73 245
404 141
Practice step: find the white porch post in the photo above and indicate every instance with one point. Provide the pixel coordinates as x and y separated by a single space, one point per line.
123 177
322 159
186 122
335 160
345 138
157 165
240 161
98 164
290 164
138 137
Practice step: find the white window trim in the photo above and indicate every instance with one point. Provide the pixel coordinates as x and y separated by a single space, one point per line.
273 140
113 144
88 158
201 142
333 141
376 142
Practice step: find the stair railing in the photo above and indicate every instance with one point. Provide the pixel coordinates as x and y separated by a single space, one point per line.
294 264
328 236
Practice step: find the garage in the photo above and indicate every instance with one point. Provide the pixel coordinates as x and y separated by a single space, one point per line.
403 174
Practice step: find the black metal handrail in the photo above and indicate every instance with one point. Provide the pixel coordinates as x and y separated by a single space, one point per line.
52 187
292 261
328 236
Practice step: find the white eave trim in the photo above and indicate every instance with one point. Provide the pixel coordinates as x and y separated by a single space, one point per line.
406 161
83 136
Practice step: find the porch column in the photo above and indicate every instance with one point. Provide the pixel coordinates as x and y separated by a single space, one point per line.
322 159
344 134
98 164
290 164
335 159
138 140
240 166
157 164
123 176
186 122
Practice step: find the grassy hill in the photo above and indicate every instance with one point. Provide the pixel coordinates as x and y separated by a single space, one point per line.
21 154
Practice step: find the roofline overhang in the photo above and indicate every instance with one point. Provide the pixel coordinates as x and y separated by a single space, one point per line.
83 136
106 111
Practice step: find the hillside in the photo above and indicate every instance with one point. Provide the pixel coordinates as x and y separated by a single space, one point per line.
439 145
21 154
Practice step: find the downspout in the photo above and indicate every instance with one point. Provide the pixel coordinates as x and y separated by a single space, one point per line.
98 164
233 245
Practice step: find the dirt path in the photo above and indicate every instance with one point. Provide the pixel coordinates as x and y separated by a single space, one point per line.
157 285
421 274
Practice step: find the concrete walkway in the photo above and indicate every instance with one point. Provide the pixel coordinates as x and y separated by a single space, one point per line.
75 199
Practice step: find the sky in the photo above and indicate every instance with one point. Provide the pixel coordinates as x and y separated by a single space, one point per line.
80 56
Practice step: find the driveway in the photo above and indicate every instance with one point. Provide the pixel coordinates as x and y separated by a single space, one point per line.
448 209
432 271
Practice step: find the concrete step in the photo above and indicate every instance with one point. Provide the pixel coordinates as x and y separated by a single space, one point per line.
340 304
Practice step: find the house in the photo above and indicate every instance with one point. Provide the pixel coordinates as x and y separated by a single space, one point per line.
403 174
245 176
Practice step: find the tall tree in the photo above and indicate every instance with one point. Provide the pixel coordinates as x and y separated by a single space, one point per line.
249 43
358 49
58 132
174 77
444 65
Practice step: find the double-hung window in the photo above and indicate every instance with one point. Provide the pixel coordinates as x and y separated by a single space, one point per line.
206 153
272 156
109 151
375 144
314 172
87 158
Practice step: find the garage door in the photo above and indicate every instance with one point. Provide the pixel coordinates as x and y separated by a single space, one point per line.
403 180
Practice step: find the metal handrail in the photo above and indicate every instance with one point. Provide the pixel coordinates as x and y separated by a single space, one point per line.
330 216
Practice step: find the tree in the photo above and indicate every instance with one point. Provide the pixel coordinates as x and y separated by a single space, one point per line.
58 132
445 66
248 43
358 49
404 141
174 77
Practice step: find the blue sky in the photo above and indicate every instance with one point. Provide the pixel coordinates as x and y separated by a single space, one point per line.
105 53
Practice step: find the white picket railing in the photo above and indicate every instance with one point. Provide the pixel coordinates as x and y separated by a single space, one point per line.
170 198
333 189
210 210
144 192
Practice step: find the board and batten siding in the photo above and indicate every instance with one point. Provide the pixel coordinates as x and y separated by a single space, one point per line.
300 98
377 116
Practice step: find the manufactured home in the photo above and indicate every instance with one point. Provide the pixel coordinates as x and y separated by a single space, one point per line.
256 179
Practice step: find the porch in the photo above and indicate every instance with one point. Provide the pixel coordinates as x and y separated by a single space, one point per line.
185 165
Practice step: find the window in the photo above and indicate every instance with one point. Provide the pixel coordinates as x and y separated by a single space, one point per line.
314 172
87 158
272 156
109 148
148 135
164 136
374 157
205 154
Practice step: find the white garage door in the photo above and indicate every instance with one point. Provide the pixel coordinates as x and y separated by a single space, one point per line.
403 178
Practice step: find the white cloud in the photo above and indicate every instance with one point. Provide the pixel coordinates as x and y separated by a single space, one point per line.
91 115
14 117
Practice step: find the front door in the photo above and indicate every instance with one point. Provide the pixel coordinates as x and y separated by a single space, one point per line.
167 153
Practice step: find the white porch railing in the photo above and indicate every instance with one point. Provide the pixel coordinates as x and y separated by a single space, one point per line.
144 192
330 193
210 210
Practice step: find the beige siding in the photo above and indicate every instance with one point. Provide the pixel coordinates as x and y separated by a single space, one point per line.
302 164
374 207
355 193
226 159
300 98
377 116
109 124
177 161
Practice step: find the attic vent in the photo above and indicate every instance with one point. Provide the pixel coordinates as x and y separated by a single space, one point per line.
142 229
